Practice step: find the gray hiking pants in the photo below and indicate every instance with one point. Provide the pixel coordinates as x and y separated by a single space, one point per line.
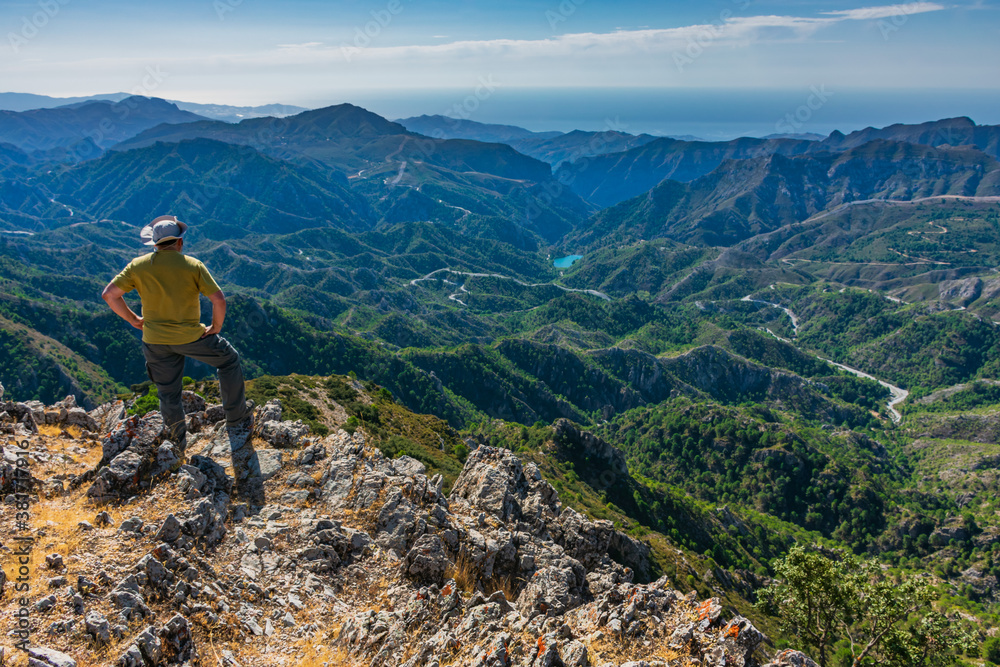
165 367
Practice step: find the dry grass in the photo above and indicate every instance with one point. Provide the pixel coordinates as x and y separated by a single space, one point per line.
56 522
468 577
464 572
507 584
315 651
618 651
65 455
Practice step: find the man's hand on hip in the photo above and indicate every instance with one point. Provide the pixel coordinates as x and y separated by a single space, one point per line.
218 300
138 323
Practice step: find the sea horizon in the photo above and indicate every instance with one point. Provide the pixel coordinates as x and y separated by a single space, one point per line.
710 114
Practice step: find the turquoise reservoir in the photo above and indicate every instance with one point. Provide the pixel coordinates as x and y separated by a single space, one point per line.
566 262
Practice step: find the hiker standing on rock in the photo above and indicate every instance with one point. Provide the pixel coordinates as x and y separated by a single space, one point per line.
169 283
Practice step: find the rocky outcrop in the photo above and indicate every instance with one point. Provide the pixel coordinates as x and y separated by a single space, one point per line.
960 292
133 453
790 658
976 427
64 413
167 645
497 572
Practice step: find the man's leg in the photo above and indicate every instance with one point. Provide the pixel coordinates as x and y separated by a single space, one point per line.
217 352
166 369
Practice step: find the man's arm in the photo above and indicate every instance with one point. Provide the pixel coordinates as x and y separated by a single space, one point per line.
114 296
218 313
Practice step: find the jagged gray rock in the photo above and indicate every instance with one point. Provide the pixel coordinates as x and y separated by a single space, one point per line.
267 463
790 658
554 588
270 411
97 626
47 657
129 458
546 582
192 402
427 561
286 434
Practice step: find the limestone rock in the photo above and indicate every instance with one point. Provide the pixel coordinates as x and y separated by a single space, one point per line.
553 589
192 402
268 463
790 658
270 411
47 657
428 560
97 626
283 434
407 465
130 454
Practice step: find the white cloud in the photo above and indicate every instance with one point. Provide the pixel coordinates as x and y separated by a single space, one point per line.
641 55
885 11
738 30
296 47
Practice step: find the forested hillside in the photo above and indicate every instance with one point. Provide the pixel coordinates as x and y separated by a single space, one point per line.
765 343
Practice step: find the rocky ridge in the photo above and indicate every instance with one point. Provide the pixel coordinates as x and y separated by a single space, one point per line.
278 546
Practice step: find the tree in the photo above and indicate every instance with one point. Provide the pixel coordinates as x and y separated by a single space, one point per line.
884 621
991 650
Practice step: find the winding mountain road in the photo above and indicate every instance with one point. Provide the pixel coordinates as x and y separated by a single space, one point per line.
453 297
900 202
896 394
791 315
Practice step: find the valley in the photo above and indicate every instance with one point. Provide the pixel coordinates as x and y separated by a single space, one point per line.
723 348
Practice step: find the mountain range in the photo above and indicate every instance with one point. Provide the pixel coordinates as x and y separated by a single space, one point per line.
28 101
784 339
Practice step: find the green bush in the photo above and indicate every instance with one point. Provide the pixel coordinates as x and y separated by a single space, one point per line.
991 650
147 403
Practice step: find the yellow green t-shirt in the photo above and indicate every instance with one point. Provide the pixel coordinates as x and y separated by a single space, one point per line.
168 283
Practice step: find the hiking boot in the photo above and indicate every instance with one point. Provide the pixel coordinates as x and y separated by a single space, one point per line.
247 421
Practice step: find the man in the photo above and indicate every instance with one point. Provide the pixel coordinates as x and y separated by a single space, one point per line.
169 283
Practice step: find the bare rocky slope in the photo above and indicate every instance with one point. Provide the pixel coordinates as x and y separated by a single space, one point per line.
280 547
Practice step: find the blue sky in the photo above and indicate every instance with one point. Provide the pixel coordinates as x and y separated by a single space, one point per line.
315 52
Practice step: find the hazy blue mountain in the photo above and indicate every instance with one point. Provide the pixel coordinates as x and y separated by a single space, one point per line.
960 131
743 198
226 112
811 136
615 177
348 137
11 154
551 147
234 114
606 180
29 101
103 123
445 127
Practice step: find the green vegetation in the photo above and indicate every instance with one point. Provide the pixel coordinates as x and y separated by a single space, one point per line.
879 619
394 430
146 402
961 398
423 311
833 483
